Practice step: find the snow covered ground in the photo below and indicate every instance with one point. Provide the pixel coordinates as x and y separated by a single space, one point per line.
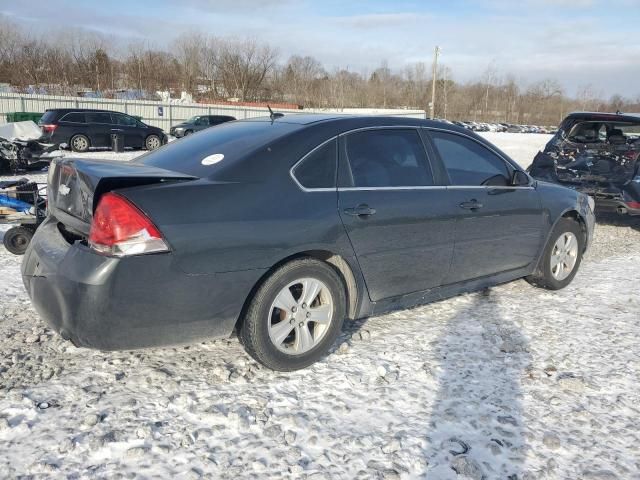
514 382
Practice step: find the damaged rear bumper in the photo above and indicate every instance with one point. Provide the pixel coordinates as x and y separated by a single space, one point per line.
125 303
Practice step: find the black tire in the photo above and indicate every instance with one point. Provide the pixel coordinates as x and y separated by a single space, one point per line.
187 132
17 239
254 328
79 143
152 142
544 277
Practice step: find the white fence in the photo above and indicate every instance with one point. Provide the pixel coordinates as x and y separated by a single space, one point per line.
161 114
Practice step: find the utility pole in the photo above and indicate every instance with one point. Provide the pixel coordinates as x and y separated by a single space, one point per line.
444 88
432 105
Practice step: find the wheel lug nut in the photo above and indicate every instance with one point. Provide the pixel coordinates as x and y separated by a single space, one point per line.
294 309
301 324
304 305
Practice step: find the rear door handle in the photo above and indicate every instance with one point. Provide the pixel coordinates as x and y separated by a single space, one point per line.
362 210
471 205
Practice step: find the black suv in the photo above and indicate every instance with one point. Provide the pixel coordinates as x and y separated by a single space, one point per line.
197 123
81 129
597 154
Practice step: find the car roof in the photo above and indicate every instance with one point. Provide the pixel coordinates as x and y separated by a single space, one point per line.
82 110
349 122
628 117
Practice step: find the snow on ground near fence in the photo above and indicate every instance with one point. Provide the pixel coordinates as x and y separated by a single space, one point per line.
524 381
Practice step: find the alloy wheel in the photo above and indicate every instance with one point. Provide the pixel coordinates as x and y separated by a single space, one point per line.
564 256
300 316
80 144
153 143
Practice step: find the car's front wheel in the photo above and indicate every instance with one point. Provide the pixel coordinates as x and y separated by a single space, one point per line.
295 315
152 142
561 257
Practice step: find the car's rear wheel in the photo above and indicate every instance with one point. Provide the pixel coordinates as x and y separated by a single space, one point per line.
17 239
152 142
295 315
562 256
79 143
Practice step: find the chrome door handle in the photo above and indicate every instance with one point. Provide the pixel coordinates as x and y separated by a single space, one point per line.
471 205
362 210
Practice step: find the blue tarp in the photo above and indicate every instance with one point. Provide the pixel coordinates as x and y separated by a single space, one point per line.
6 201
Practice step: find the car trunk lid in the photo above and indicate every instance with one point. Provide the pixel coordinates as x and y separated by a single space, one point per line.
75 186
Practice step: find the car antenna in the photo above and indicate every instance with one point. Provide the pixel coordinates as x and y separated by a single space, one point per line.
272 115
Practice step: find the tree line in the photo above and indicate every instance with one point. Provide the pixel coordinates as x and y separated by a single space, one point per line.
214 68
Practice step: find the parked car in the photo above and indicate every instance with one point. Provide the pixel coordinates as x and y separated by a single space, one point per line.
237 228
82 129
197 123
597 154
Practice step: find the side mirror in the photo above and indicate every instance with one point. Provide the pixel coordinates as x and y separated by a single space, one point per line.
519 179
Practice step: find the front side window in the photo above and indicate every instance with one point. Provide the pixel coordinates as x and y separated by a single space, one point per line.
98 117
318 169
202 121
469 163
388 158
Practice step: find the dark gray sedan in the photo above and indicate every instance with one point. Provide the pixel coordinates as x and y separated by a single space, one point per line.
197 123
282 228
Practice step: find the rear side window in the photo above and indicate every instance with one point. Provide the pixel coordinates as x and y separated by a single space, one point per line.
48 117
318 168
74 117
469 163
98 117
388 158
125 120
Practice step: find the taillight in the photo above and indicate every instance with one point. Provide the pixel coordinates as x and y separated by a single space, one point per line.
49 128
634 205
119 228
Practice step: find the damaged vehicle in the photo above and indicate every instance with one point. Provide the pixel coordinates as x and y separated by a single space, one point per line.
21 150
597 154
279 228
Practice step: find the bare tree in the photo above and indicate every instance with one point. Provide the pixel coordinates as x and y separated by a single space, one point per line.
244 66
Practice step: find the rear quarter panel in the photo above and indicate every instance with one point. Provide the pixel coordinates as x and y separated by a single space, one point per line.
251 216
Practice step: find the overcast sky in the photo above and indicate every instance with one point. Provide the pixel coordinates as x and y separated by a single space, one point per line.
577 42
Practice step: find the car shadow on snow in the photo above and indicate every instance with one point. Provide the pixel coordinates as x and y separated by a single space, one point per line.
476 426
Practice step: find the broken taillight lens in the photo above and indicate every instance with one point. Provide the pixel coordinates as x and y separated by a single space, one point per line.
120 229
634 205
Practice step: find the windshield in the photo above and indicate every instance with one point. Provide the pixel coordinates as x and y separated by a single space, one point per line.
193 119
203 154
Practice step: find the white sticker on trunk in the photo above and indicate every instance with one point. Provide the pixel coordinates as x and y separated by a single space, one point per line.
212 159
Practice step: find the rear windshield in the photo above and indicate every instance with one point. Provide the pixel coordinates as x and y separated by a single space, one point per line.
48 117
602 132
202 154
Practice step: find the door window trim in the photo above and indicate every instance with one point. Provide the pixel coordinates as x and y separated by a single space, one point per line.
511 163
429 151
304 157
426 150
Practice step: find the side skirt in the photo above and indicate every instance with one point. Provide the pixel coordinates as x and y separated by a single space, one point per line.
440 293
